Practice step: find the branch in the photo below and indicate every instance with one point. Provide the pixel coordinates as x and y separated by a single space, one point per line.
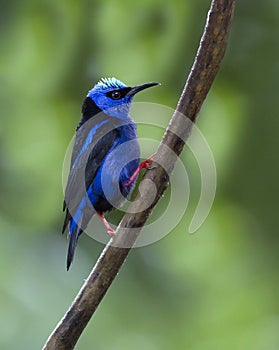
206 65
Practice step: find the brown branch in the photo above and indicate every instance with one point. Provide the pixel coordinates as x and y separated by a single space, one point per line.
207 63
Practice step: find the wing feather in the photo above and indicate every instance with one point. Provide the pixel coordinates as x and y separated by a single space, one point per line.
92 143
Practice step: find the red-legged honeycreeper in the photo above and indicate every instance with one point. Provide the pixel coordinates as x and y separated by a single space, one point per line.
105 159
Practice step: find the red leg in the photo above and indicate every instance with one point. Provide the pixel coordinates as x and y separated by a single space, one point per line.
143 165
110 230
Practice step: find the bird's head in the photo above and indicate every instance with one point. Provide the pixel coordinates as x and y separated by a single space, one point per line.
114 98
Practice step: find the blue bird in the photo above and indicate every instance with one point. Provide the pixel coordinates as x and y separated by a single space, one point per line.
105 159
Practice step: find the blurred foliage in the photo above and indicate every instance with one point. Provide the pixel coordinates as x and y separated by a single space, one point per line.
216 289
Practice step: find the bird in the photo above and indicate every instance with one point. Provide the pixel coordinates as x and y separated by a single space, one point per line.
105 159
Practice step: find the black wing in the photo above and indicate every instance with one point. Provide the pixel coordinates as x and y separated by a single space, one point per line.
88 154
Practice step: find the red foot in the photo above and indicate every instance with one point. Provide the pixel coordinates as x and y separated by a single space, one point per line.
110 230
146 164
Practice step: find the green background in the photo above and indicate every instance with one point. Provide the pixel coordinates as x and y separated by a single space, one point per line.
215 289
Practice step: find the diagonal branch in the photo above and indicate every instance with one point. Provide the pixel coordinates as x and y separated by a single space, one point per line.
206 65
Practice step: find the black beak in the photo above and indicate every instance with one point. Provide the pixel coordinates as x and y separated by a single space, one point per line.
139 88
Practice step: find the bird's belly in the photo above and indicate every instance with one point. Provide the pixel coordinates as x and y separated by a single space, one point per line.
109 184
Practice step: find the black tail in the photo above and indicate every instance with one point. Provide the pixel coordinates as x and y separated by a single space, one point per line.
66 221
72 245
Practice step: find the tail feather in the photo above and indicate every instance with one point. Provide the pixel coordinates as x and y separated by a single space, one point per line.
72 244
66 221
77 224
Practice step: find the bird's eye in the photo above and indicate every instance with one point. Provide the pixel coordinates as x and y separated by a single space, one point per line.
115 95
